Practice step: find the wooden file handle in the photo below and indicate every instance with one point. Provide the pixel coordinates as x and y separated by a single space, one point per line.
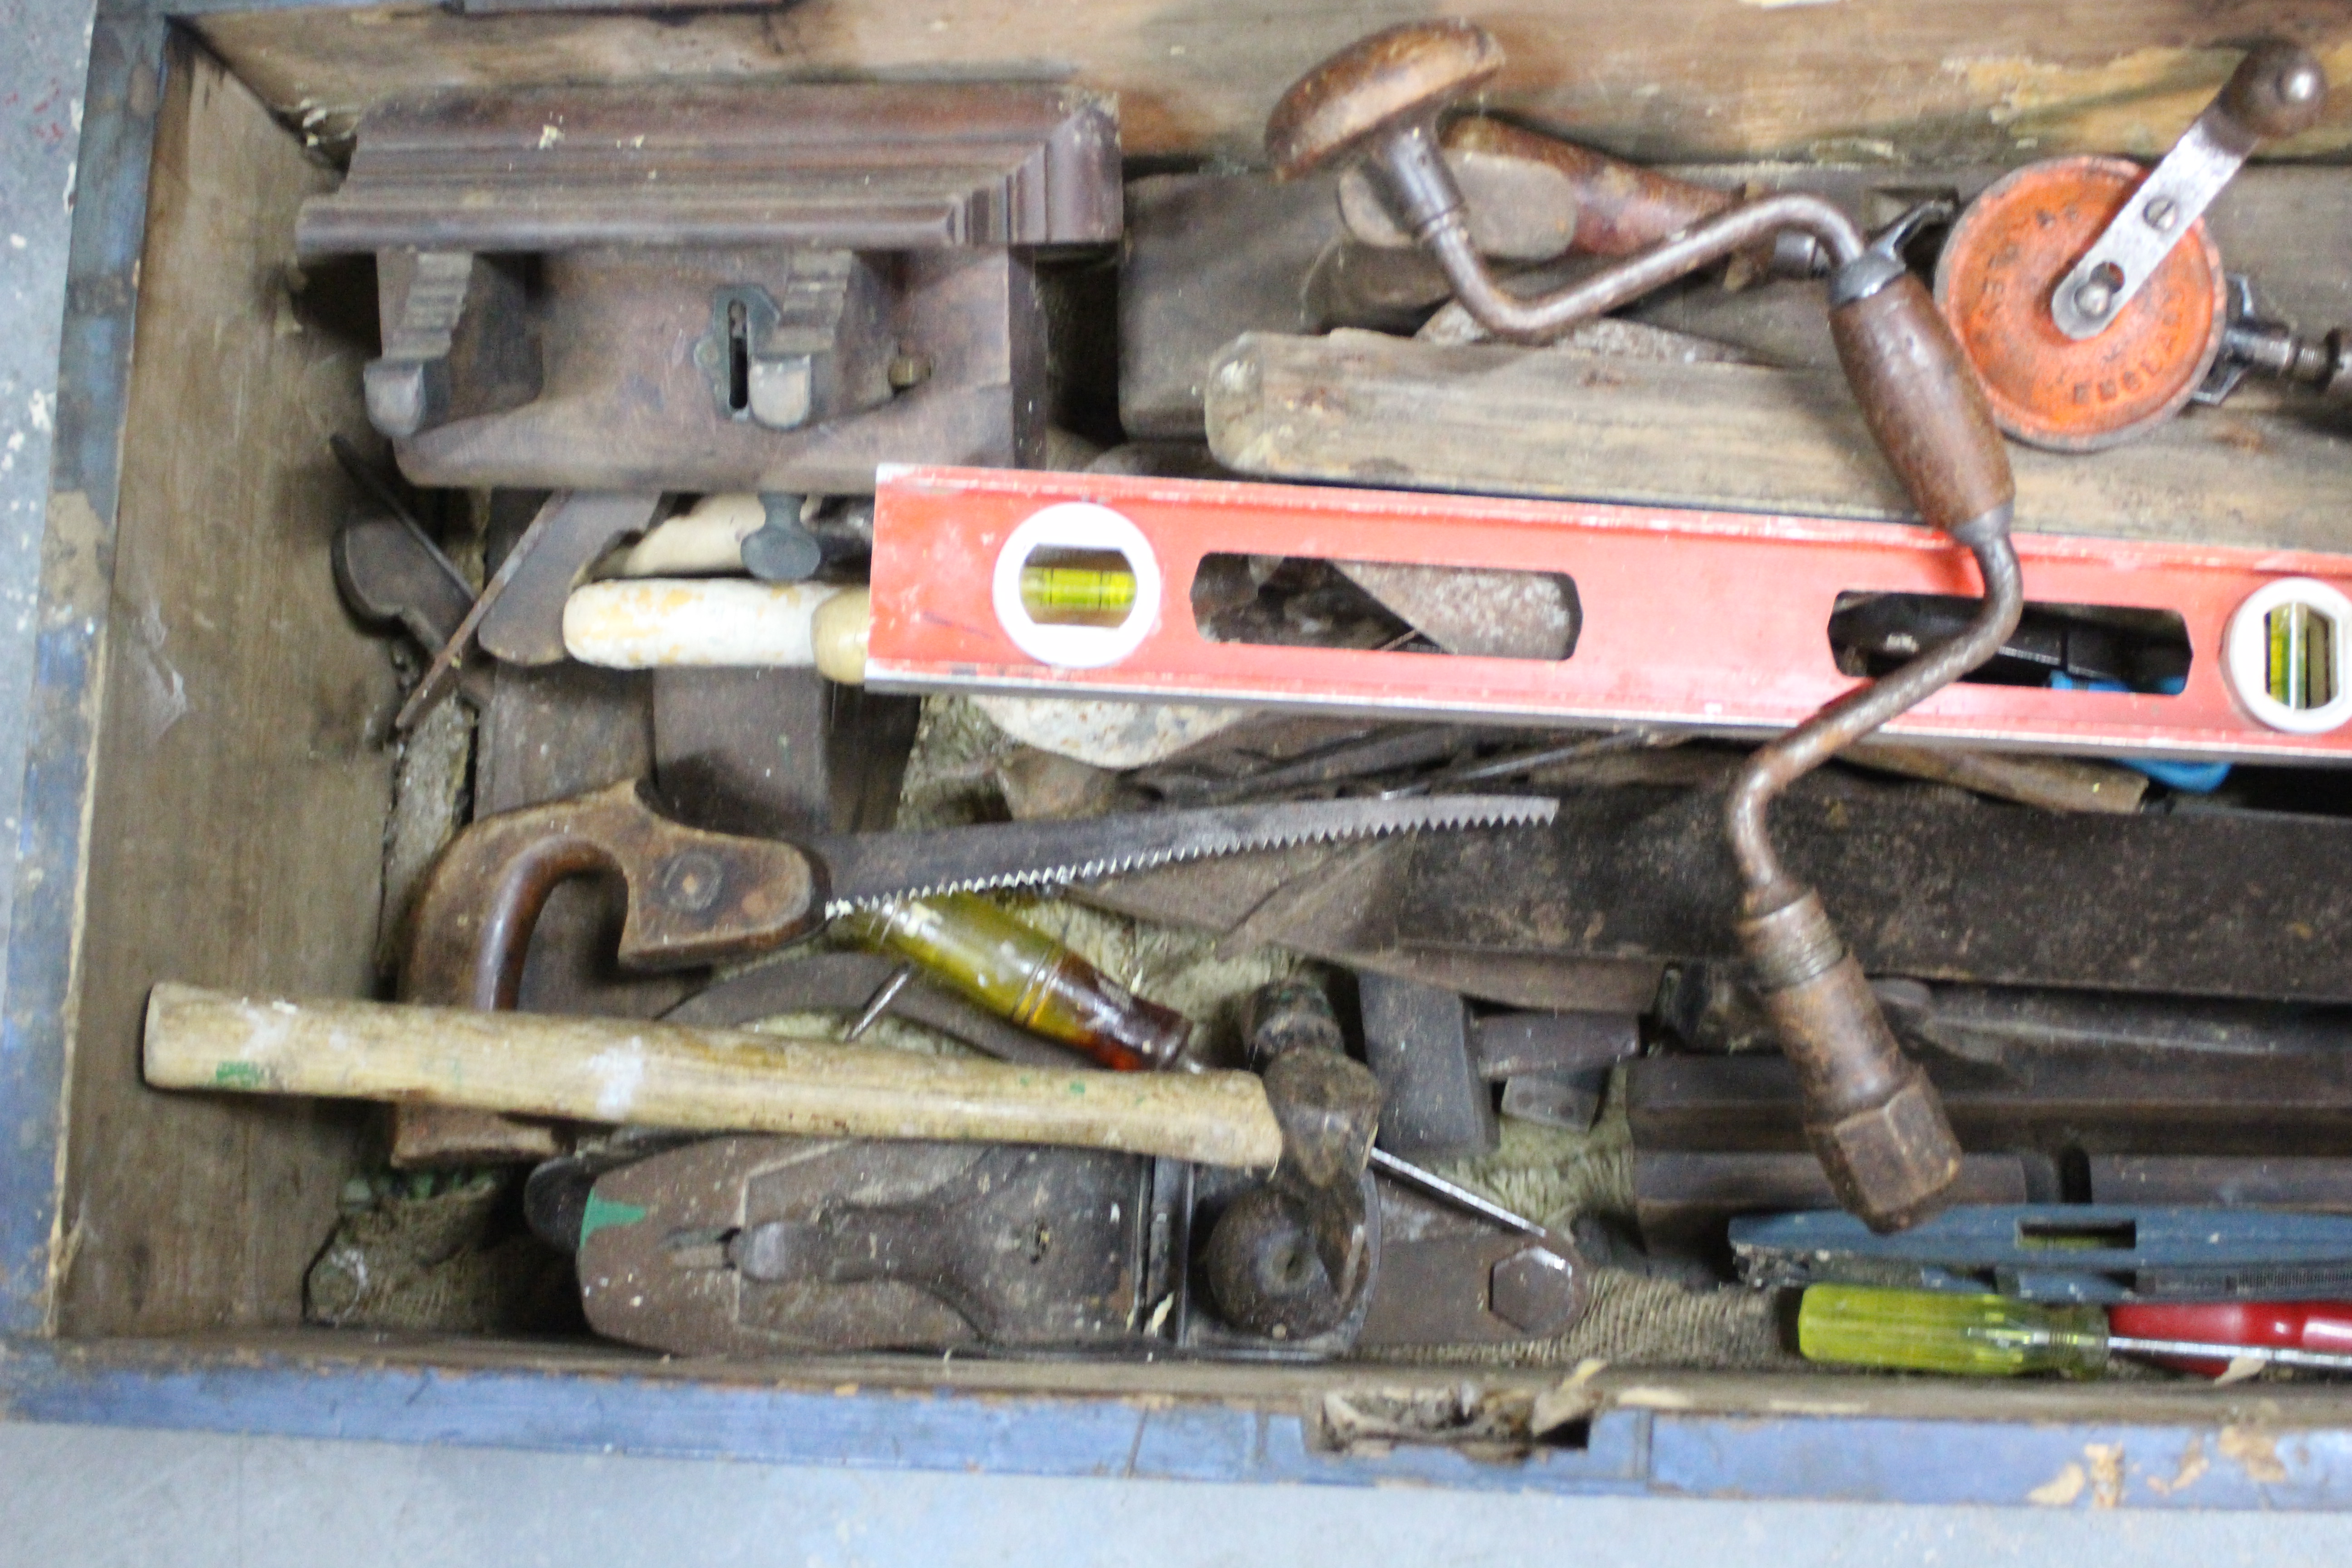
665 1075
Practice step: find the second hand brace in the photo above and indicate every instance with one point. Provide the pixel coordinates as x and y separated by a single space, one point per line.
1870 1114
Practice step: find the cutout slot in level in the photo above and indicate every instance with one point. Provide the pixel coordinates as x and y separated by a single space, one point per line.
2077 1236
2098 647
1294 601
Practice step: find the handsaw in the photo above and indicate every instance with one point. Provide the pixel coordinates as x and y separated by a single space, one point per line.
697 897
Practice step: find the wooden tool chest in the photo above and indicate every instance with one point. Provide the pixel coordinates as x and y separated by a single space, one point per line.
209 789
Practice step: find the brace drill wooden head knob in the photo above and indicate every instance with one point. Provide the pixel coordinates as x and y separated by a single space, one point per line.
1873 1119
1392 84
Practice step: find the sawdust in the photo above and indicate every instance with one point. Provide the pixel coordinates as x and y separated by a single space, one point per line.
444 1254
948 780
429 803
1635 1321
1551 1175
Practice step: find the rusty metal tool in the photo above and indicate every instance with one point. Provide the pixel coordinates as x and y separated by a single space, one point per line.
715 287
1296 1258
362 473
2317 1184
745 1245
560 541
751 1246
525 623
696 896
1438 1064
2186 904
388 569
1876 1123
1532 197
2255 343
1307 1252
2112 1101
1458 1269
2088 294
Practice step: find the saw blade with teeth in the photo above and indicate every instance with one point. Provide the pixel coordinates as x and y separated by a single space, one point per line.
872 867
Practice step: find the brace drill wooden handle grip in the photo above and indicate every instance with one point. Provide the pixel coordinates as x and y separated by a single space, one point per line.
1923 400
619 1069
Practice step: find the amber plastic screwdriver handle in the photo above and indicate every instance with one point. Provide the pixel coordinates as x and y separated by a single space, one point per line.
1022 974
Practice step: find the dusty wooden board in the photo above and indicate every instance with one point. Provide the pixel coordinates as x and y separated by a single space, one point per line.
237 832
1364 409
1210 257
1998 79
1153 1385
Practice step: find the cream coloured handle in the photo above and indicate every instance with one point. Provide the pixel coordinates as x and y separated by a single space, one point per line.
665 1075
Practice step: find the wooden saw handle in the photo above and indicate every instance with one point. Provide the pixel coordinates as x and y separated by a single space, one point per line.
665 1075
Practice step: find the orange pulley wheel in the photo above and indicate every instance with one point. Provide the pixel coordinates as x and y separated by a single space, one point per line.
1994 281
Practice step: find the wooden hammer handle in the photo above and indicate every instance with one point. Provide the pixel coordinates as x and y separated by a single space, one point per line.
665 1075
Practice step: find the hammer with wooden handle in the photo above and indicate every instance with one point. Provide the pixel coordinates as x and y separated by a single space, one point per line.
666 1075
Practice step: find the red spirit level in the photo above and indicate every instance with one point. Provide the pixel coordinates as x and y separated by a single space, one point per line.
1712 621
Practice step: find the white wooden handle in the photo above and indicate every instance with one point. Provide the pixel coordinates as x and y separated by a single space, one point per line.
654 623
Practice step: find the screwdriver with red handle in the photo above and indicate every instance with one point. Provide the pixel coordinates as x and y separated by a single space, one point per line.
1933 1331
2245 1328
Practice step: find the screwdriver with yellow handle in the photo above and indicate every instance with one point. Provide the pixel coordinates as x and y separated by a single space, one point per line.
1997 1336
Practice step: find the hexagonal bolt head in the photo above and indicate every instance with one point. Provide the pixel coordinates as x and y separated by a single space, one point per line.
1535 1290
1894 1164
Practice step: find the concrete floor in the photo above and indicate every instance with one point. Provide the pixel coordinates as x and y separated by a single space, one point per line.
92 1497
